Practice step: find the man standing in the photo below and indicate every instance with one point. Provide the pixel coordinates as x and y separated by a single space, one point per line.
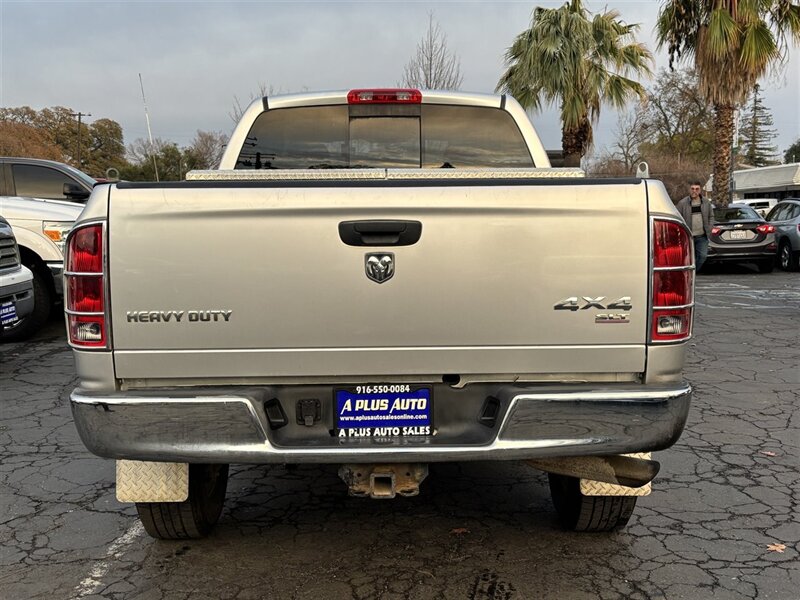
697 213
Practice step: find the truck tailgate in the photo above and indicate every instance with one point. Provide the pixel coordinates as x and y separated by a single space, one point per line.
237 280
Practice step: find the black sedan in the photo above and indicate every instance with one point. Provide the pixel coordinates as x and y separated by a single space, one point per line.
741 235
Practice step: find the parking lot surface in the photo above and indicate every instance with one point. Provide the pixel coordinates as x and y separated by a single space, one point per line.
722 522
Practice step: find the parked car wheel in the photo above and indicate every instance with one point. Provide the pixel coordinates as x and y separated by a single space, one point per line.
196 516
577 512
766 266
789 261
42 303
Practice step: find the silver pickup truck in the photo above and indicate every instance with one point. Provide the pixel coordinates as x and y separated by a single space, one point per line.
380 279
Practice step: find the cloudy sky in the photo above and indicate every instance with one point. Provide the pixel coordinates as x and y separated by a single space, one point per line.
195 57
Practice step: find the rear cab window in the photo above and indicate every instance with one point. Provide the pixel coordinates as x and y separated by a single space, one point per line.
384 136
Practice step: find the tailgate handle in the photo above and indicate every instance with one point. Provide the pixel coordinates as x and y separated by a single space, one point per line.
381 232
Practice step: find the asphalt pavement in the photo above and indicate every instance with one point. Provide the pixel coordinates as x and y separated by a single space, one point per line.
722 521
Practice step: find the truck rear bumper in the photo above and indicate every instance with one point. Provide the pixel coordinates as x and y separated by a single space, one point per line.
533 421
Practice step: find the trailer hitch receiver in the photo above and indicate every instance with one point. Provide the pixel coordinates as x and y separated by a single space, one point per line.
383 481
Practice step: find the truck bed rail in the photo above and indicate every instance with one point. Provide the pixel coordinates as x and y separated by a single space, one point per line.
380 174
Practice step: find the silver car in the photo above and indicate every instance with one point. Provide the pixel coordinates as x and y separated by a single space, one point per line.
786 219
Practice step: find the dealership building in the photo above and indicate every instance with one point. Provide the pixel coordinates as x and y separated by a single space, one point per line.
779 181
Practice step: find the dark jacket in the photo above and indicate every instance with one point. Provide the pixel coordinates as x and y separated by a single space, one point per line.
685 208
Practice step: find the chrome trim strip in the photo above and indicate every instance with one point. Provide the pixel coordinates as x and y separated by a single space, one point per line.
76 313
592 396
678 307
80 274
689 268
664 394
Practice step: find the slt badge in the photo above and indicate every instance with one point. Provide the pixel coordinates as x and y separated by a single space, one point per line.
379 266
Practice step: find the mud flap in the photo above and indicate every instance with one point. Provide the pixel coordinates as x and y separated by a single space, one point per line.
144 481
599 488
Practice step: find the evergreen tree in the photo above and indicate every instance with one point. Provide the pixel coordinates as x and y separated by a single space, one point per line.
792 154
756 133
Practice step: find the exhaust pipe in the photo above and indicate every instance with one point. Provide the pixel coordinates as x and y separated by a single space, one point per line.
617 469
383 481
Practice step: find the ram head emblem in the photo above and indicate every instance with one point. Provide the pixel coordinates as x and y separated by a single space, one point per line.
379 266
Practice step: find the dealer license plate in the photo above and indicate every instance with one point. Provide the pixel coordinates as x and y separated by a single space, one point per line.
383 410
8 313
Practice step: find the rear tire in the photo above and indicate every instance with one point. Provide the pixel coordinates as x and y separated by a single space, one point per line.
577 512
30 324
789 261
766 266
196 516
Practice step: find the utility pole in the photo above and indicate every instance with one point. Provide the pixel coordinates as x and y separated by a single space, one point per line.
149 133
80 115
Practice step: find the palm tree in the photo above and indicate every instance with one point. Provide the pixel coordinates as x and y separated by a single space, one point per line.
733 43
568 57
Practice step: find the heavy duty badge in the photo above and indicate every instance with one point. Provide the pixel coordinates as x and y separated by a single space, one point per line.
379 266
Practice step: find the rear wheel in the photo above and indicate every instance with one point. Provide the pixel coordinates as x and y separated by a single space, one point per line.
196 516
789 260
30 324
577 512
766 266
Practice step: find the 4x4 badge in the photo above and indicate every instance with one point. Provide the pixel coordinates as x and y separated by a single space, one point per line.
587 302
379 266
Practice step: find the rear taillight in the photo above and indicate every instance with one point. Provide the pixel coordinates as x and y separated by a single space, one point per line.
384 96
671 325
671 246
672 288
672 282
765 229
84 279
715 230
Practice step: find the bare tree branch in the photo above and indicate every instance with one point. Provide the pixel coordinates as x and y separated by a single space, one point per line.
206 149
239 106
433 66
141 150
631 132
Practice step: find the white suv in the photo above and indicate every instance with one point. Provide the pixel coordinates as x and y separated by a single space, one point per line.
761 205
